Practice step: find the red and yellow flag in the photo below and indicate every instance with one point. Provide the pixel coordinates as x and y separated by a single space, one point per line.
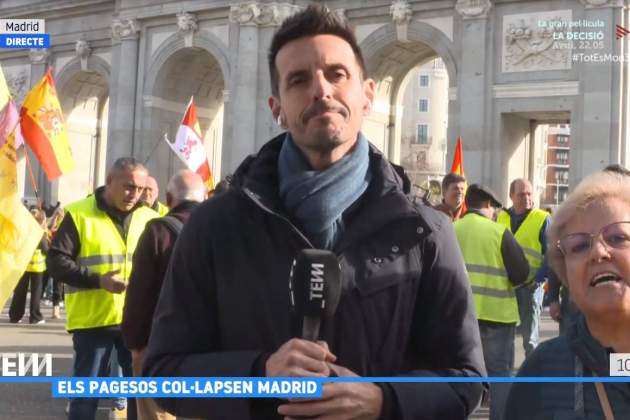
188 146
44 130
458 160
458 168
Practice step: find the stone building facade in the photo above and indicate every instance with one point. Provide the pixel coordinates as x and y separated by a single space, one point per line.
125 70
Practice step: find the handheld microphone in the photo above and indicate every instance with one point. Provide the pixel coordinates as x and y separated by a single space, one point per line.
315 285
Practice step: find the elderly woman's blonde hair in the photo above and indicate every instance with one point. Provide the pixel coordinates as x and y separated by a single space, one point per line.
596 187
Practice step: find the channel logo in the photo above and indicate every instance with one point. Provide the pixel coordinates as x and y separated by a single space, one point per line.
621 31
23 33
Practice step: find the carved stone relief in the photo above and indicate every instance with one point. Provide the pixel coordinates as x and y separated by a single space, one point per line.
125 29
530 44
473 9
82 50
187 25
401 15
261 14
38 55
593 4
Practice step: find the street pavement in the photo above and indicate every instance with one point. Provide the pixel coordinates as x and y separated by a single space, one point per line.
29 401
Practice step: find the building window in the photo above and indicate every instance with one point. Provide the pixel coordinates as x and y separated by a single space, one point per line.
563 139
562 158
422 134
423 105
424 80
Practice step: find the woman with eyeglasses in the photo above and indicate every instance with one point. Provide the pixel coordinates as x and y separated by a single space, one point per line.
589 248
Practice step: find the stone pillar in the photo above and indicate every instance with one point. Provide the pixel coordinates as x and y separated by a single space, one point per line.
472 89
602 119
122 102
253 25
40 59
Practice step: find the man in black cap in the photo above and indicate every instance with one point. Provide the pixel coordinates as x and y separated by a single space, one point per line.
496 265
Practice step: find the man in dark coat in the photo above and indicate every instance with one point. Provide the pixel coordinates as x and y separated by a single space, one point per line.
185 191
406 307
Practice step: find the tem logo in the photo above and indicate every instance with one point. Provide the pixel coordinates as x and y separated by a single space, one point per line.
25 364
621 31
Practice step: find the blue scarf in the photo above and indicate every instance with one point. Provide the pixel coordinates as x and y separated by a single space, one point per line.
317 199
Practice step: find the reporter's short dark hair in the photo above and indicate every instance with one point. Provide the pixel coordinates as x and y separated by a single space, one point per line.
451 178
315 20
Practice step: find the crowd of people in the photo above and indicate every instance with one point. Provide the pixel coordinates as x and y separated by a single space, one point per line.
199 287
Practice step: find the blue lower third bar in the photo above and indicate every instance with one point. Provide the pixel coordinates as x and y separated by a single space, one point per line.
24 40
186 387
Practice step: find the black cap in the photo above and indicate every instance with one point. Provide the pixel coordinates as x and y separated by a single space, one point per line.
483 191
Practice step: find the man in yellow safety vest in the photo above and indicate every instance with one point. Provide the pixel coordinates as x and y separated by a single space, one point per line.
496 265
529 226
92 253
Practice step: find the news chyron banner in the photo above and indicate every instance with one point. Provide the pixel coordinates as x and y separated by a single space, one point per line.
23 33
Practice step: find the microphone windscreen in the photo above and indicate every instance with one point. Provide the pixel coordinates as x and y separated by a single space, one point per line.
315 283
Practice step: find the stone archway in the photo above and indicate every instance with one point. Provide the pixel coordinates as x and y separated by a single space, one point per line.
391 62
84 98
176 74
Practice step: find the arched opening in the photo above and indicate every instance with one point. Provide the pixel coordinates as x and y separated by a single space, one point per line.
413 106
188 72
85 103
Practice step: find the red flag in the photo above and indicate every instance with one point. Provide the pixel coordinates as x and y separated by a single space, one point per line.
188 146
458 168
458 160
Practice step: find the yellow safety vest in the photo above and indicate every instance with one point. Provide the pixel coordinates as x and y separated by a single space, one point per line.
162 209
37 263
480 241
528 237
102 249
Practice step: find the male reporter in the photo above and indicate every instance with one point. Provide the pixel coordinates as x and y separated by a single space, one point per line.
406 307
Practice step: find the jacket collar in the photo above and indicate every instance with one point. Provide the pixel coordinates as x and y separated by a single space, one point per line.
384 201
593 355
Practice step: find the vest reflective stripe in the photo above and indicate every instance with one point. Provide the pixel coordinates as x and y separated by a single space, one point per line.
528 237
37 263
492 291
101 259
487 291
102 249
474 268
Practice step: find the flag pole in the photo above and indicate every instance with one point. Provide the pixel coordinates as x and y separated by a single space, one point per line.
33 182
155 145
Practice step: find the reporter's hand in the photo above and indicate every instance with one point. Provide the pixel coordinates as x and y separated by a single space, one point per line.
111 282
554 311
299 357
340 401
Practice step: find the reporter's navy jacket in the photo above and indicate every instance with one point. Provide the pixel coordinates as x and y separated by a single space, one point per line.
406 307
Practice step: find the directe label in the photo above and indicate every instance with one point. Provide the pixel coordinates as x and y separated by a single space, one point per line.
24 40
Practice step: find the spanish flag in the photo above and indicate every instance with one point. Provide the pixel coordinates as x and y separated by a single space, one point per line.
44 130
458 168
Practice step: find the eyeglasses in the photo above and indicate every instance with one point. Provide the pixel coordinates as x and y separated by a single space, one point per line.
614 236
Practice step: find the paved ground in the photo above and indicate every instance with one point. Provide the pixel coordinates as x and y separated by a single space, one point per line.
34 401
